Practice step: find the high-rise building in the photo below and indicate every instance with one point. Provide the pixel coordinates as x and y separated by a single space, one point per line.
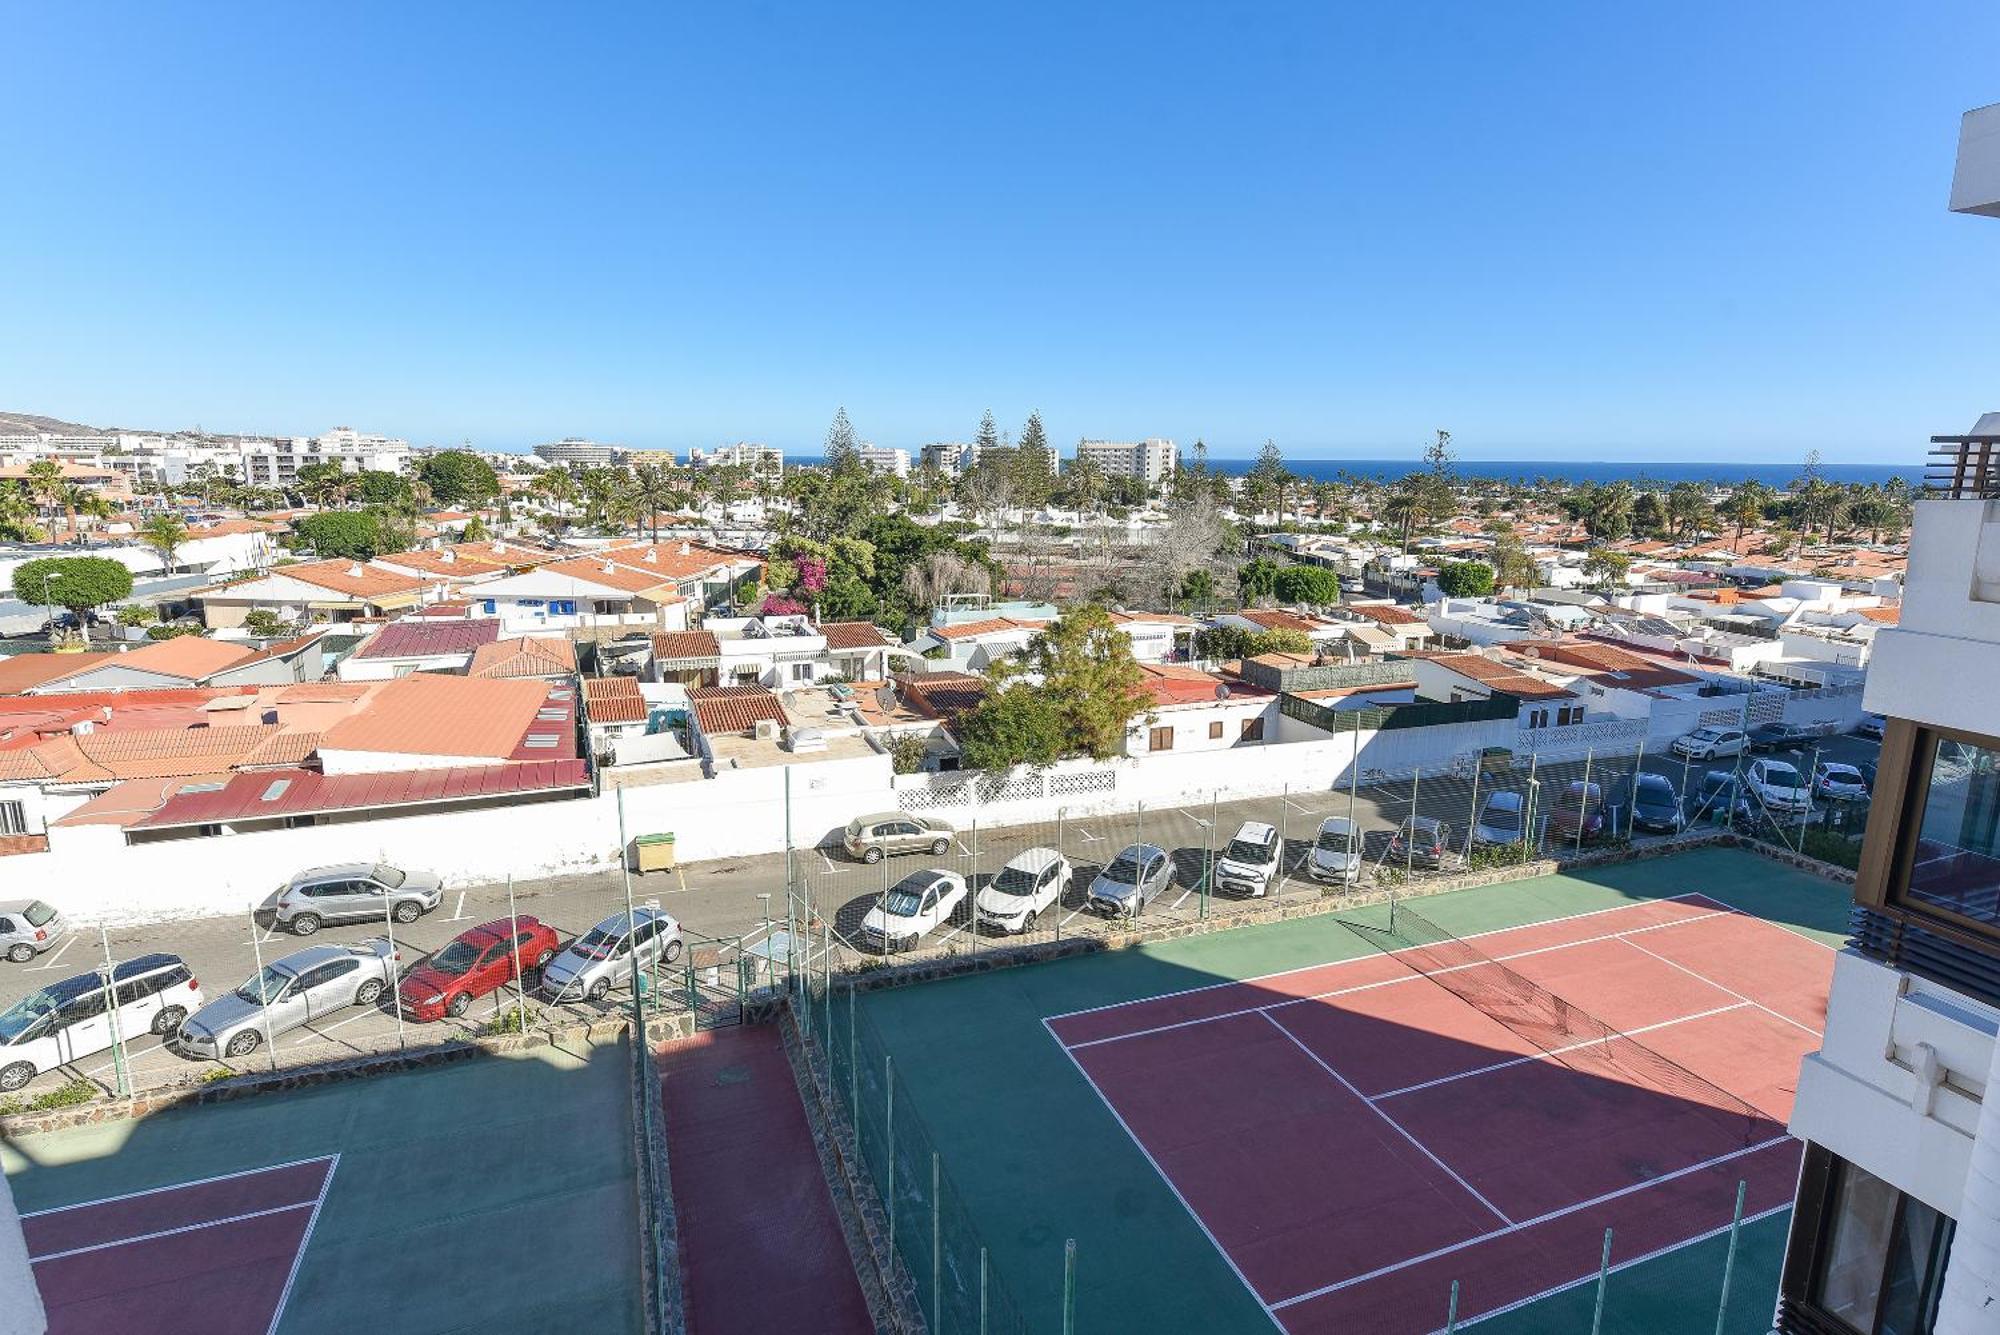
767 460
951 456
884 459
1897 1223
1151 461
575 450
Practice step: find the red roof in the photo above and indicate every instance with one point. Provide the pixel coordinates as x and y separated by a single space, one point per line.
614 700
1386 614
722 709
429 639
297 792
852 635
685 644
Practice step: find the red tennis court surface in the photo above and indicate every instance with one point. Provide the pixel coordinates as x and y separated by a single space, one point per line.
212 1257
1354 1137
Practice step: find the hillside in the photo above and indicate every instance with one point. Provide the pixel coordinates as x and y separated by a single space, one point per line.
17 423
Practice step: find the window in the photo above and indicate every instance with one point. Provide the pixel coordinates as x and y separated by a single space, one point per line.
13 818
1881 1255
1953 852
1215 731
1538 718
1253 730
1163 739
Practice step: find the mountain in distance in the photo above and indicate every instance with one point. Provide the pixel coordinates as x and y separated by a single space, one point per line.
13 424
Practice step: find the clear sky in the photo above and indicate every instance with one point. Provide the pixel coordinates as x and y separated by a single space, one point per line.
1602 231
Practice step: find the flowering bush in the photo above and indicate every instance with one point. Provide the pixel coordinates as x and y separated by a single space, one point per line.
812 573
776 605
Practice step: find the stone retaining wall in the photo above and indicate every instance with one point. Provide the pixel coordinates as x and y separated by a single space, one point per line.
659 1233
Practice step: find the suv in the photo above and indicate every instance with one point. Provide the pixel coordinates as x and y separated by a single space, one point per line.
1336 853
1032 881
869 837
1777 736
1711 744
1250 861
1777 786
27 928
66 1021
1499 823
603 957
1131 881
304 986
353 892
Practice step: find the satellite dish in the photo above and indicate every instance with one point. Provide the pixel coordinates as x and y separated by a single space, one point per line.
1222 690
1531 652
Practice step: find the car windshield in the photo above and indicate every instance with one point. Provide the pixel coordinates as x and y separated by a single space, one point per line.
38 914
1653 788
902 903
388 876
1336 840
1501 818
597 944
265 987
1781 776
1421 833
14 1021
1013 880
1125 870
1844 772
455 958
1705 735
1243 850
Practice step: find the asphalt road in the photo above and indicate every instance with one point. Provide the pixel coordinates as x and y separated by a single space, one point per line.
740 900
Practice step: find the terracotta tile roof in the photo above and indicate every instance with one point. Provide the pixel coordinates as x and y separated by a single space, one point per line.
223 528
1500 677
613 700
972 630
24 672
445 564
852 635
275 793
538 656
943 695
673 560
281 648
1387 614
505 552
721 709
351 579
131 800
1176 685
11 844
429 639
1276 618
679 645
609 574
1610 665
1887 616
287 746
432 715
136 753
324 692
188 656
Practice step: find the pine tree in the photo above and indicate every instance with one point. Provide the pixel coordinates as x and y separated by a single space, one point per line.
1033 475
989 433
841 451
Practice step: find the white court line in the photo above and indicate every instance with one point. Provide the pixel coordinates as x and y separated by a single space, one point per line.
1199 1222
61 950
1395 1125
1559 1213
1557 1052
1414 975
305 1240
191 1182
458 912
172 1232
1622 1266
1729 991
1474 936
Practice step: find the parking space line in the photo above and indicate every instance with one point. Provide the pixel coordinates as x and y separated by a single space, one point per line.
458 912
1072 913
963 851
1191 816
1183 899
61 950
830 868
1088 837
1303 811
321 1031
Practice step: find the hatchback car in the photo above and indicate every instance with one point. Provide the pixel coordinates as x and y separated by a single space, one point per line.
608 954
1656 806
1131 881
1710 743
304 986
1032 882
1336 852
353 892
1716 798
918 904
1499 823
477 961
1777 786
1420 841
1842 783
1250 861
27 928
869 838
69 1020
1871 726
1578 811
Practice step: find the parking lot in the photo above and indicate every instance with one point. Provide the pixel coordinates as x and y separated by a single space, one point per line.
743 902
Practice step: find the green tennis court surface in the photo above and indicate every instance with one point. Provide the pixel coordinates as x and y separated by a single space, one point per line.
1036 1156
493 1194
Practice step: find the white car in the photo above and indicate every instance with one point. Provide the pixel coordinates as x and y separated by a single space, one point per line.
1711 743
1336 853
914 906
1499 823
1250 861
67 1021
1840 782
1777 786
1026 887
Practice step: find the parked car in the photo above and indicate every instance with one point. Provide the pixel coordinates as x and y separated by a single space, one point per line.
477 961
1131 881
28 927
1499 821
605 956
1871 726
1578 811
1250 861
869 838
1420 841
919 903
1777 786
1711 744
304 986
1716 797
353 892
1656 806
67 1021
1336 852
1779 736
1032 882
1843 783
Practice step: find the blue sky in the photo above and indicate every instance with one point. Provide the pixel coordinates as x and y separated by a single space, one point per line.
1684 231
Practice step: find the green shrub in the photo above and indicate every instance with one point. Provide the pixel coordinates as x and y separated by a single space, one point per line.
64 1096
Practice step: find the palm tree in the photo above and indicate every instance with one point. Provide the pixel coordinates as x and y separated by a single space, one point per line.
45 485
652 489
73 498
17 516
1404 508
1610 513
164 534
1745 507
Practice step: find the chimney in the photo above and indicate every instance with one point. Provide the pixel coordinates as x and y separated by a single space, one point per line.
608 568
686 550
354 570
449 555
652 556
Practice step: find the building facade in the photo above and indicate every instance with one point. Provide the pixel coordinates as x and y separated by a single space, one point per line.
884 459
575 450
1151 461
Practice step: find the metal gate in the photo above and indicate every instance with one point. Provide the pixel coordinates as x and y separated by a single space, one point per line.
711 980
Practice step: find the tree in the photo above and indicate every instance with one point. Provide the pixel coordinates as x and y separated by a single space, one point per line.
475 530
1407 507
1089 675
938 575
1258 579
1745 507
265 624
45 485
1608 511
374 486
164 533
1688 510
1307 584
652 489
458 477
1220 644
1269 476
1013 725
1606 567
1649 514
908 751
842 451
1083 484
17 517
355 534
323 484
988 435
1033 477
76 582
1513 568
1466 579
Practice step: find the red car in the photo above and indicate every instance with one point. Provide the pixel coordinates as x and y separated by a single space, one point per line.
480 960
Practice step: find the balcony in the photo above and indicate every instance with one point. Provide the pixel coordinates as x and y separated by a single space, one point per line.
1966 468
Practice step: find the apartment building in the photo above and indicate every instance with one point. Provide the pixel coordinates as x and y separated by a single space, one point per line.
276 462
950 456
575 450
1151 461
883 459
763 460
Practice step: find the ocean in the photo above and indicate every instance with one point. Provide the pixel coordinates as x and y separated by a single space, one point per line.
1776 476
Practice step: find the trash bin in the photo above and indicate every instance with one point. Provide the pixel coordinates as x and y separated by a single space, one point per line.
655 852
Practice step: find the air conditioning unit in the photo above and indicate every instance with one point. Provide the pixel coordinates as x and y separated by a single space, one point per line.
766 730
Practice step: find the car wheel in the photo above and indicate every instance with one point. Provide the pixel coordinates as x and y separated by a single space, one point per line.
368 993
408 911
872 856
169 1020
672 952
305 924
939 847
542 960
243 1044
21 953
15 1076
599 990
458 1005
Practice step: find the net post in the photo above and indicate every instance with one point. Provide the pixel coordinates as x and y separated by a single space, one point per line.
982 1291
1583 799
1528 812
1729 1261
1069 1287
1451 1312
937 1243
1603 1276
1410 844
889 1140
1472 807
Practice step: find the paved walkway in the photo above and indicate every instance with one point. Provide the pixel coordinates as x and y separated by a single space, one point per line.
761 1247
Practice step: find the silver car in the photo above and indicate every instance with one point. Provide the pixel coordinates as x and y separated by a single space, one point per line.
603 957
353 892
304 986
27 928
1133 880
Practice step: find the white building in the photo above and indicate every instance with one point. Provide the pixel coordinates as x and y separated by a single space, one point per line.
951 456
1151 461
575 450
883 459
765 460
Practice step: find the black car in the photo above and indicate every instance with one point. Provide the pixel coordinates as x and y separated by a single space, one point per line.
1714 798
1777 736
1656 806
